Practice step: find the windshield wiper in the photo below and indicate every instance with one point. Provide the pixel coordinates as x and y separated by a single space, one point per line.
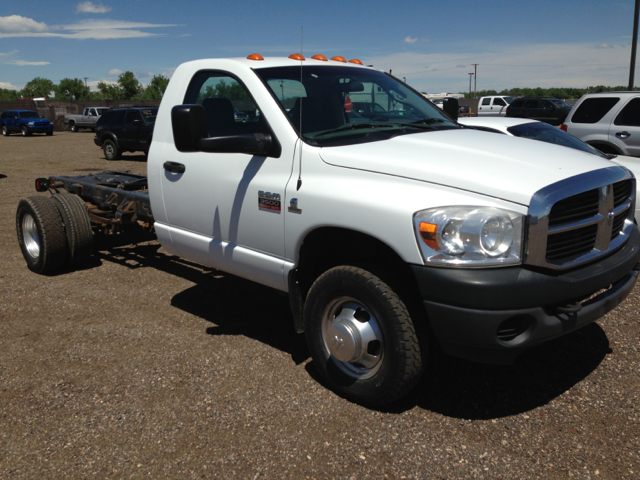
355 126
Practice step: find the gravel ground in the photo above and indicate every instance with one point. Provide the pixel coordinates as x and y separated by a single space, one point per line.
145 365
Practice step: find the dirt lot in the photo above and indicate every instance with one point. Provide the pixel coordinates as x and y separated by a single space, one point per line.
143 365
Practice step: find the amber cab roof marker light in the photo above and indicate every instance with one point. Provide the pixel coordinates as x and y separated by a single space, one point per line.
320 57
356 61
338 58
255 56
296 56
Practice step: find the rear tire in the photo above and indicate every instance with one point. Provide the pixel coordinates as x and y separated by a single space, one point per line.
5 131
77 226
361 337
41 234
49 134
73 127
110 150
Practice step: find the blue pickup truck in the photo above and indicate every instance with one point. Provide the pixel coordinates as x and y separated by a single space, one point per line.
25 122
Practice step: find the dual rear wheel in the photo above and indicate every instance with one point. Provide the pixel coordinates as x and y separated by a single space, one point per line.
53 232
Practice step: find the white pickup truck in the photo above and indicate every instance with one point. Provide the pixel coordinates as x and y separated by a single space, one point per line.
384 229
88 119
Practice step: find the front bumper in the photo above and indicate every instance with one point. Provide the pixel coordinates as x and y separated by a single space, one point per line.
40 129
493 315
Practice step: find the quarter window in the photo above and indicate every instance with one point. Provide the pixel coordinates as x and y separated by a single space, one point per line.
593 109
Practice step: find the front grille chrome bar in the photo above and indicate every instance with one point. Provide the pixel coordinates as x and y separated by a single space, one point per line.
605 241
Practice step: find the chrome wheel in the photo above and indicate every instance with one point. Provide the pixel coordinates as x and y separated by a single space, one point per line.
30 235
352 336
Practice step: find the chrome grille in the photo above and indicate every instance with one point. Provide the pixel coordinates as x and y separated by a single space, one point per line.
580 218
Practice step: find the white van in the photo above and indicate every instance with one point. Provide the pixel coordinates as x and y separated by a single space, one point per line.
494 106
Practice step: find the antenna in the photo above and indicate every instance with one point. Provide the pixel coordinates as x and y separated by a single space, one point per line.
300 101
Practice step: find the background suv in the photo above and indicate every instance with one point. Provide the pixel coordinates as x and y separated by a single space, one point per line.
125 130
608 121
25 122
549 110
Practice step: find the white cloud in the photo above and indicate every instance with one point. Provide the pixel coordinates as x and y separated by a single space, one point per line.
18 24
605 45
8 86
408 39
24 62
169 72
509 65
115 72
8 53
90 7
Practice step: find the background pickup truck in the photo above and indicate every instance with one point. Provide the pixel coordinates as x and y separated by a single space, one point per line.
384 229
88 119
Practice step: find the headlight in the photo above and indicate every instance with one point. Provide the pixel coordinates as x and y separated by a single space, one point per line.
469 236
31 124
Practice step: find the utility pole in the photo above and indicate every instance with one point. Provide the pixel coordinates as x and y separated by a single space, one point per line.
475 76
85 85
470 75
634 45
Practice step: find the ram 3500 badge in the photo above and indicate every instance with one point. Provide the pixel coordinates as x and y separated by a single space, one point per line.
400 223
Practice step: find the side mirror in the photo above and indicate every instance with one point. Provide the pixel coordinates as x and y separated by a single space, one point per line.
189 124
451 107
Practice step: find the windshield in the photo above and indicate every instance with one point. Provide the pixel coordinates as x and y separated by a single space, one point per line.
29 115
101 110
338 105
546 133
149 115
560 103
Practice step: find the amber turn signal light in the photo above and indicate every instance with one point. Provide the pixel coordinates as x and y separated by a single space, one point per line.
428 234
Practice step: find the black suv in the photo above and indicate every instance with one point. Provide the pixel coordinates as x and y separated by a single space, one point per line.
549 110
125 130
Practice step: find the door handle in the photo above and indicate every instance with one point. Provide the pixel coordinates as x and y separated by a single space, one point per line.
174 167
624 134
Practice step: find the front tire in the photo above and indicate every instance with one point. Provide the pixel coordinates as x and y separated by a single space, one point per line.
41 234
110 150
25 131
361 337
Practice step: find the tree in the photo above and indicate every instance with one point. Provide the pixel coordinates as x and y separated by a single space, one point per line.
156 88
6 94
108 91
71 88
129 85
38 87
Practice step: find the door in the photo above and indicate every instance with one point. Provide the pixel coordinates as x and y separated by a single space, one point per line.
226 210
547 111
499 107
625 130
129 137
484 108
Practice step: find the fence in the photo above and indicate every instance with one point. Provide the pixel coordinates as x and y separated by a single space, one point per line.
55 110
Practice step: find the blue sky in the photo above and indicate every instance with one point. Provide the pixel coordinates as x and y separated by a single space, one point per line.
548 43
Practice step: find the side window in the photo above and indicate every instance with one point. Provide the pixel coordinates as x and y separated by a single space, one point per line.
630 114
86 112
118 119
531 104
229 108
4 114
132 115
486 101
546 105
499 102
93 112
593 109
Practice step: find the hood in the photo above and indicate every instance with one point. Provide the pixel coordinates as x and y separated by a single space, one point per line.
500 166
